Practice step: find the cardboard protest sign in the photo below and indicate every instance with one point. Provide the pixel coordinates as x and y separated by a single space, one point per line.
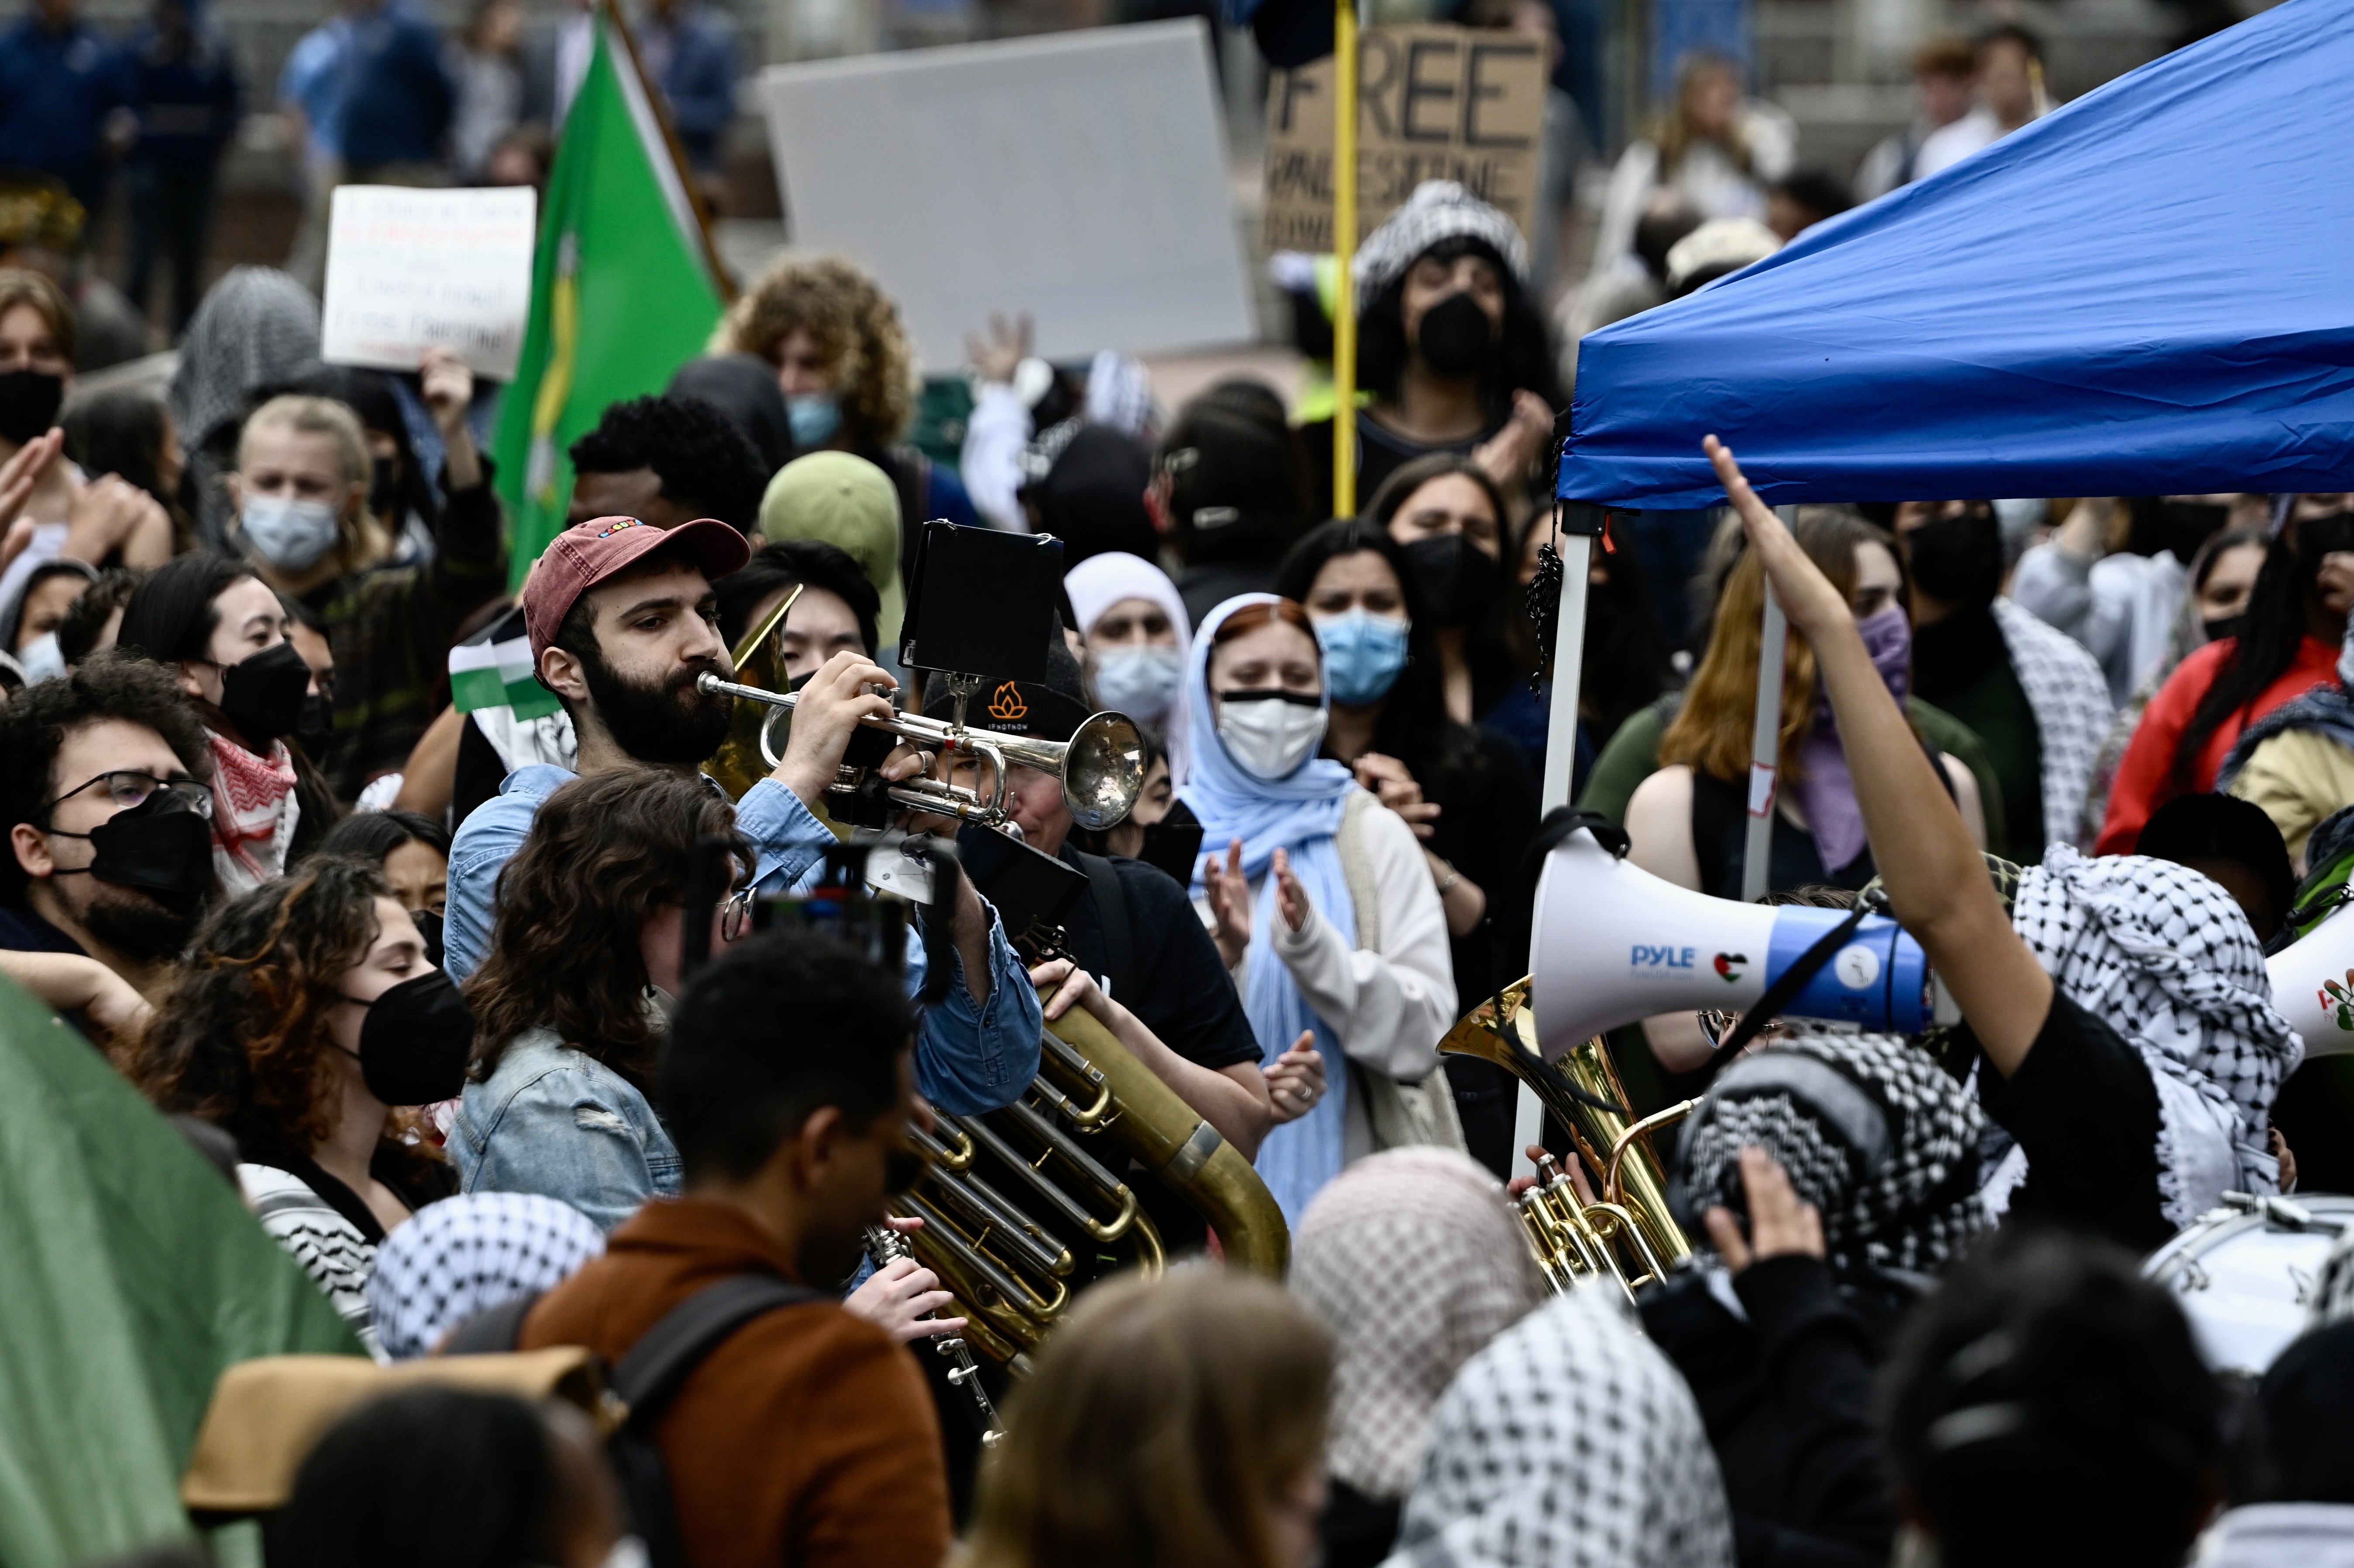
1080 176
1433 103
411 270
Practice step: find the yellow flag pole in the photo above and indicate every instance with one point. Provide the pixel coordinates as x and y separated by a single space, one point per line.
1345 251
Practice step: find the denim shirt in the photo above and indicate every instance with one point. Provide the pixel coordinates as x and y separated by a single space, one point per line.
558 1122
970 1057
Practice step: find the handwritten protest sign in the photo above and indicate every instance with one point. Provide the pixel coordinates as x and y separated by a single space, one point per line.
1433 103
412 270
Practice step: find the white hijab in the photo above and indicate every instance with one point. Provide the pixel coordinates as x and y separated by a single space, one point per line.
1097 583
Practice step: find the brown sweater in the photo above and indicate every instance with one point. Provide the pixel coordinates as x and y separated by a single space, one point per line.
807 1437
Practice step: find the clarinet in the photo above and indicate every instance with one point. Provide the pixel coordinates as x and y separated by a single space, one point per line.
885 1245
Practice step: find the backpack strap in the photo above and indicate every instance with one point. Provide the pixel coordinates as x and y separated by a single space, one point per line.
1111 913
668 1353
494 1330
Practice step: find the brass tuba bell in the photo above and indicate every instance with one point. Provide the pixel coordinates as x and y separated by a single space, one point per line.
1625 1231
759 660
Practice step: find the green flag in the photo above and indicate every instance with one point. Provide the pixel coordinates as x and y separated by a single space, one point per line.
620 292
134 1273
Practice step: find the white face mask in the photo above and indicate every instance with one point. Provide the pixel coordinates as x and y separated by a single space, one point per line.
290 535
1270 734
41 659
1140 681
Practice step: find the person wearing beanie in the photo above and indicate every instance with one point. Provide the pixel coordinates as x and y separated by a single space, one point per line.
848 503
1450 345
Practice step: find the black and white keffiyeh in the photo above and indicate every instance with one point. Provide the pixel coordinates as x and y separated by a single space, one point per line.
1874 1134
468 1254
2063 685
1415 1260
2166 959
1571 1442
1437 210
2331 1299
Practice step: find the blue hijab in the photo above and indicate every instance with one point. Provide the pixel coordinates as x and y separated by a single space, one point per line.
1299 814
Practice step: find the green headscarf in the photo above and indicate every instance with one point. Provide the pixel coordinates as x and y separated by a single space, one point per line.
848 502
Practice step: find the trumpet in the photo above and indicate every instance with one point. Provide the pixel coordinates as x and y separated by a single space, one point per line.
1100 767
1626 1231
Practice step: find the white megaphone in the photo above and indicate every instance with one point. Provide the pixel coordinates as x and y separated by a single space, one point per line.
2313 984
1615 944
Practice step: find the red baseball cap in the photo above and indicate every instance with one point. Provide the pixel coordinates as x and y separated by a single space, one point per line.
590 553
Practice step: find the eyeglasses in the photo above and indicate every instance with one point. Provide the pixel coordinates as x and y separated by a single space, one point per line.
126 787
736 917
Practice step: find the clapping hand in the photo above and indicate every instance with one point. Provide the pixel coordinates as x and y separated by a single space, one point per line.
1230 911
1291 900
1296 1082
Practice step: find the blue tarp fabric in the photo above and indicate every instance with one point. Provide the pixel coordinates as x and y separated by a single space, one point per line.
2150 291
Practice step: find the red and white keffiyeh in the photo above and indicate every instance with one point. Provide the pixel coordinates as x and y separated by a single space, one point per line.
254 812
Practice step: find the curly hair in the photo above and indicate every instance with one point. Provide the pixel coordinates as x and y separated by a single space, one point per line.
704 463
855 327
34 727
242 1038
604 854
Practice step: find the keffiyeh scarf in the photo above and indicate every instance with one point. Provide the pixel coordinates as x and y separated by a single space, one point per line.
1571 1441
2063 685
1872 1133
1415 1261
254 812
468 1254
2165 957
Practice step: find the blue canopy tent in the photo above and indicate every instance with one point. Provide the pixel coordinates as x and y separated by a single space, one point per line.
2149 290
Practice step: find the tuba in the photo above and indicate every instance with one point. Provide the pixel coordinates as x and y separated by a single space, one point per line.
1625 1232
1024 1206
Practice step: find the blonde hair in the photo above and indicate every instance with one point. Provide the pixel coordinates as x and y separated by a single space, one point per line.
1675 135
855 327
1164 1420
21 286
362 540
1710 734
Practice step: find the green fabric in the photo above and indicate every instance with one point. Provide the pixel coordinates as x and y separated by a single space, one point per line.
845 501
133 1275
620 296
1633 755
1994 707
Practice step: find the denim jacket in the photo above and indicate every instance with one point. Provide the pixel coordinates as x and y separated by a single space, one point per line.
558 1122
970 1057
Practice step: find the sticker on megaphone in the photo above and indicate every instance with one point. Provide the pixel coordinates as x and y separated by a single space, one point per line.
2313 985
1615 944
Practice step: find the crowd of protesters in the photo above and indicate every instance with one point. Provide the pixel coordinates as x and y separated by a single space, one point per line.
423 979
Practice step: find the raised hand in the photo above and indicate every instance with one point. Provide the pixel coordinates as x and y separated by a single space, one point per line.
1291 900
1396 787
1230 899
1809 598
1779 1224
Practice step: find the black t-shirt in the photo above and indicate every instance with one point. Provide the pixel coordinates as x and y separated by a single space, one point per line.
22 931
1179 987
2083 1108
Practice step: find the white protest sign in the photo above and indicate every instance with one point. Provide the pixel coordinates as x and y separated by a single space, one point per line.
1080 176
411 270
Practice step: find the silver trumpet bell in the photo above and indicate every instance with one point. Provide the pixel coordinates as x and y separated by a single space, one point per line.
1100 767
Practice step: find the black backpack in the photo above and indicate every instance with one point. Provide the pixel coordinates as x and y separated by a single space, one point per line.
646 1380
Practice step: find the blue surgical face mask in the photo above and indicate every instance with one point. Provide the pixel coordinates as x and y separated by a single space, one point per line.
1139 681
290 535
1364 655
40 658
815 417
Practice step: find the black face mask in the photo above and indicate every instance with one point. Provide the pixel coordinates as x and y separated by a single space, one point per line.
2224 626
670 724
415 1042
1458 577
159 846
384 487
28 403
1957 560
316 728
2184 525
264 695
2321 537
1455 337
1174 842
429 926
